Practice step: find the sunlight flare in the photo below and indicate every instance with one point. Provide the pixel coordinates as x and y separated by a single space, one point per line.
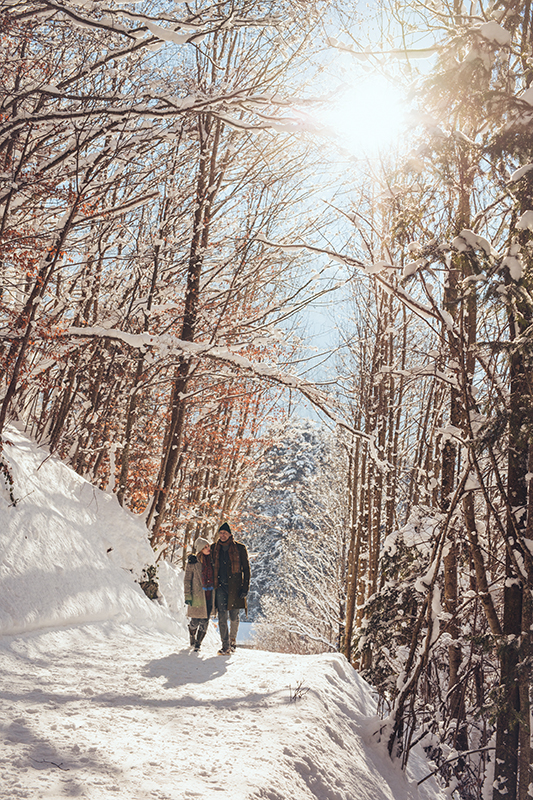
367 116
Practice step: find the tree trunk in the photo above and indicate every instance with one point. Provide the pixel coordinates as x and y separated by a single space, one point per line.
506 775
205 192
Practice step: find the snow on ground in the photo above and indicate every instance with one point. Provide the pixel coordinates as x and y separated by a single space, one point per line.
102 698
69 551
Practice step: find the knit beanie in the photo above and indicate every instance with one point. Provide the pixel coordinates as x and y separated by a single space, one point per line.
200 544
225 527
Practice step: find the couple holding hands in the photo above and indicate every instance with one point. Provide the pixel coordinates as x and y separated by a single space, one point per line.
217 578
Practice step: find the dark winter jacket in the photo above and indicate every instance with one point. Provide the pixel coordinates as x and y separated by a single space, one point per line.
194 590
238 580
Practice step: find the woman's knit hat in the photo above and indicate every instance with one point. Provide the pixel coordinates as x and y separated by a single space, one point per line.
200 543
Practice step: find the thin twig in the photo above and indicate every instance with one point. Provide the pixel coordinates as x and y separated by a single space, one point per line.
454 758
53 763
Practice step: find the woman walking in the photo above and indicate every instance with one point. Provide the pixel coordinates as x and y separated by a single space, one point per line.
198 586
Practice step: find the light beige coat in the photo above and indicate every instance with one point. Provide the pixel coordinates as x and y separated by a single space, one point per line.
194 589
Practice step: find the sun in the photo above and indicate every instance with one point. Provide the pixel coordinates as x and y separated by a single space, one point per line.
366 117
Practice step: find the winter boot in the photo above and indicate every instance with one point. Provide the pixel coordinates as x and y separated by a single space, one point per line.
199 639
192 636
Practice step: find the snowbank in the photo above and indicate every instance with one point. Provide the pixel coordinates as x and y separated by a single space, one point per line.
70 553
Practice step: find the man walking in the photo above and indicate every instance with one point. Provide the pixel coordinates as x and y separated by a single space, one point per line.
231 572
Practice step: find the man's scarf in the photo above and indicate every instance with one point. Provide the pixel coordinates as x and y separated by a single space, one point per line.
234 557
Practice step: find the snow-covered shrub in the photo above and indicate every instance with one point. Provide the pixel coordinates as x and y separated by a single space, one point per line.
385 635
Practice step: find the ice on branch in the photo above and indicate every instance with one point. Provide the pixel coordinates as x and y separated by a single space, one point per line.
526 220
513 261
520 172
468 240
378 266
493 32
166 34
412 266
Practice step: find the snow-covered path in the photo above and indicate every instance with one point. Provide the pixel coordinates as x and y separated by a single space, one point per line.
110 710
101 697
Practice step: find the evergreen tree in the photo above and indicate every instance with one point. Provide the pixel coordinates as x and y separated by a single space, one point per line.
296 532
